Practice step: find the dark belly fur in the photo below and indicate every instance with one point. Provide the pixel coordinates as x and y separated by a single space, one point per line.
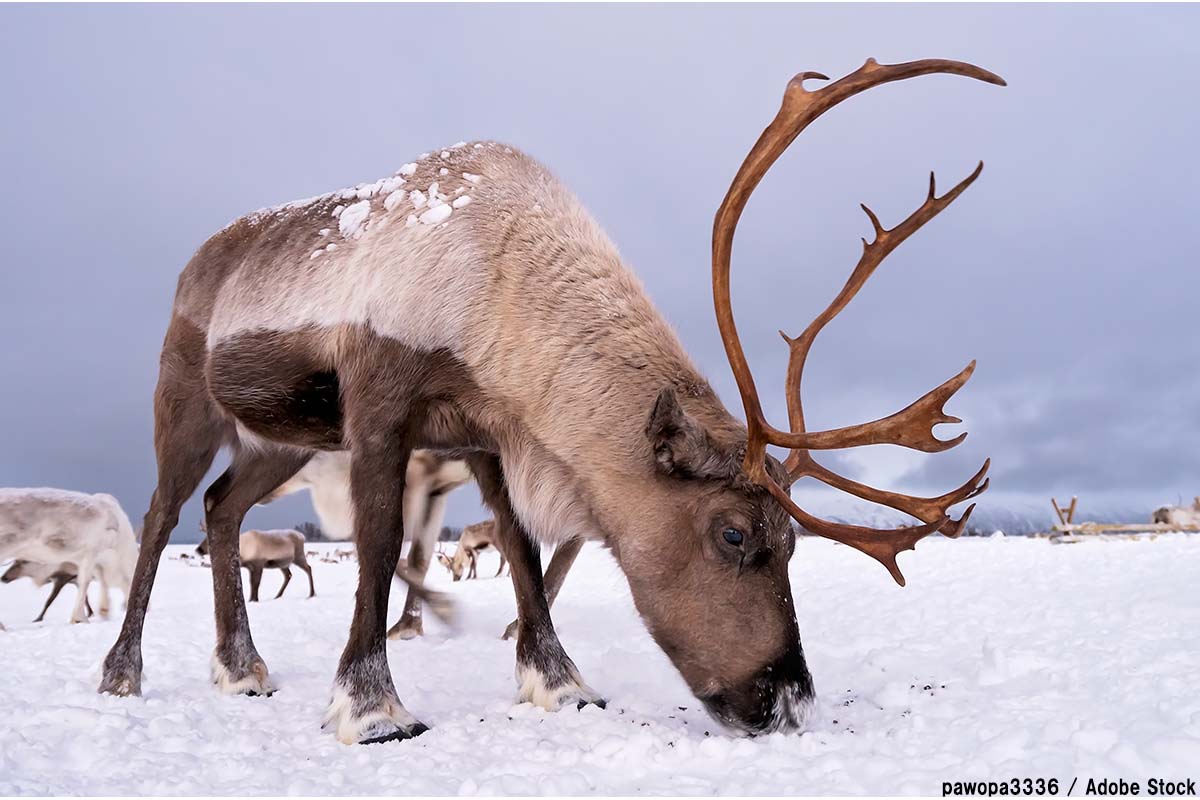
283 388
277 387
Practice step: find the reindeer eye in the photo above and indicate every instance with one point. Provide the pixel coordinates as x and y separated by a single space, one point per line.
733 536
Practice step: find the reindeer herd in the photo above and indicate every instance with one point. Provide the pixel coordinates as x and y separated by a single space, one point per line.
467 319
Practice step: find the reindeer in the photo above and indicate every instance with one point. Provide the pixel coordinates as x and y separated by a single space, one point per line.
41 574
279 549
479 536
54 526
1179 516
428 481
470 305
327 476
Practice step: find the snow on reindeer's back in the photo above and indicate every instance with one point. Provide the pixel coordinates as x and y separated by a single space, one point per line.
385 254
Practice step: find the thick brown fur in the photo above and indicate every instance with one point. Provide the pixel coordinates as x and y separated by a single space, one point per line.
506 330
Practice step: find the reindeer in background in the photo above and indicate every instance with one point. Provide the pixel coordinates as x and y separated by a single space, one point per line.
428 481
278 549
1181 516
469 304
54 527
41 574
476 537
327 477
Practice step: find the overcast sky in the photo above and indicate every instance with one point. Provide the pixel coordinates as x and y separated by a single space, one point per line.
1069 269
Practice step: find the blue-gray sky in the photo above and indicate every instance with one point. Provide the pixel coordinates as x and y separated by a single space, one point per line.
132 133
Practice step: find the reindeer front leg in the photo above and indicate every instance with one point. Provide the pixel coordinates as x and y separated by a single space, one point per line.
365 708
410 626
560 564
546 676
83 580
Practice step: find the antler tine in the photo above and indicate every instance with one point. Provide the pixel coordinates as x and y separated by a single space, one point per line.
801 464
800 107
881 545
910 427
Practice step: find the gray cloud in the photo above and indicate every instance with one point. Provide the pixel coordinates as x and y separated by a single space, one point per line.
132 133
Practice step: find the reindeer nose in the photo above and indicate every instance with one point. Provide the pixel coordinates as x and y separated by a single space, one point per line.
779 697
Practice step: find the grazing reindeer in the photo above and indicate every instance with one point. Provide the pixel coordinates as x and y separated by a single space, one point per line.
1179 516
53 526
259 550
471 305
479 536
327 477
41 574
428 481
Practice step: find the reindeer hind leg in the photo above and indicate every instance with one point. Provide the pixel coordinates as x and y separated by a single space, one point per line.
410 624
237 667
287 578
188 431
59 583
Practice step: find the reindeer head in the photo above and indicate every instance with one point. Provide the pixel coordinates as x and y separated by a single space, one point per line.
39 573
459 563
22 569
721 607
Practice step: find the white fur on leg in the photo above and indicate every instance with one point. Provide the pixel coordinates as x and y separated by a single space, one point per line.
389 719
532 688
83 579
257 682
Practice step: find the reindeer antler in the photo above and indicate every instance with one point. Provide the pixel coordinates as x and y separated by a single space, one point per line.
912 426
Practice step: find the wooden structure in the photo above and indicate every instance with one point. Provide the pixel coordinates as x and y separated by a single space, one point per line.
1067 528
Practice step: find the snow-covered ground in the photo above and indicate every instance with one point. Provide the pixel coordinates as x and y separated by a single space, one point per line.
1004 658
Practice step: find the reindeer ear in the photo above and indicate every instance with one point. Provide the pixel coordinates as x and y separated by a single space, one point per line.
682 447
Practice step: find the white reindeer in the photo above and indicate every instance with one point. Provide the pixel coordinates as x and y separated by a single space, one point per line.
53 526
1179 516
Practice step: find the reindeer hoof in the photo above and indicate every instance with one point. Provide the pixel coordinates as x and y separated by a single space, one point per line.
569 689
397 735
121 687
406 629
122 675
252 680
383 720
599 703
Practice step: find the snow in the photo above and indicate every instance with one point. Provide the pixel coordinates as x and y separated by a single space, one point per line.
436 214
1004 657
351 221
407 169
394 199
465 200
417 198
